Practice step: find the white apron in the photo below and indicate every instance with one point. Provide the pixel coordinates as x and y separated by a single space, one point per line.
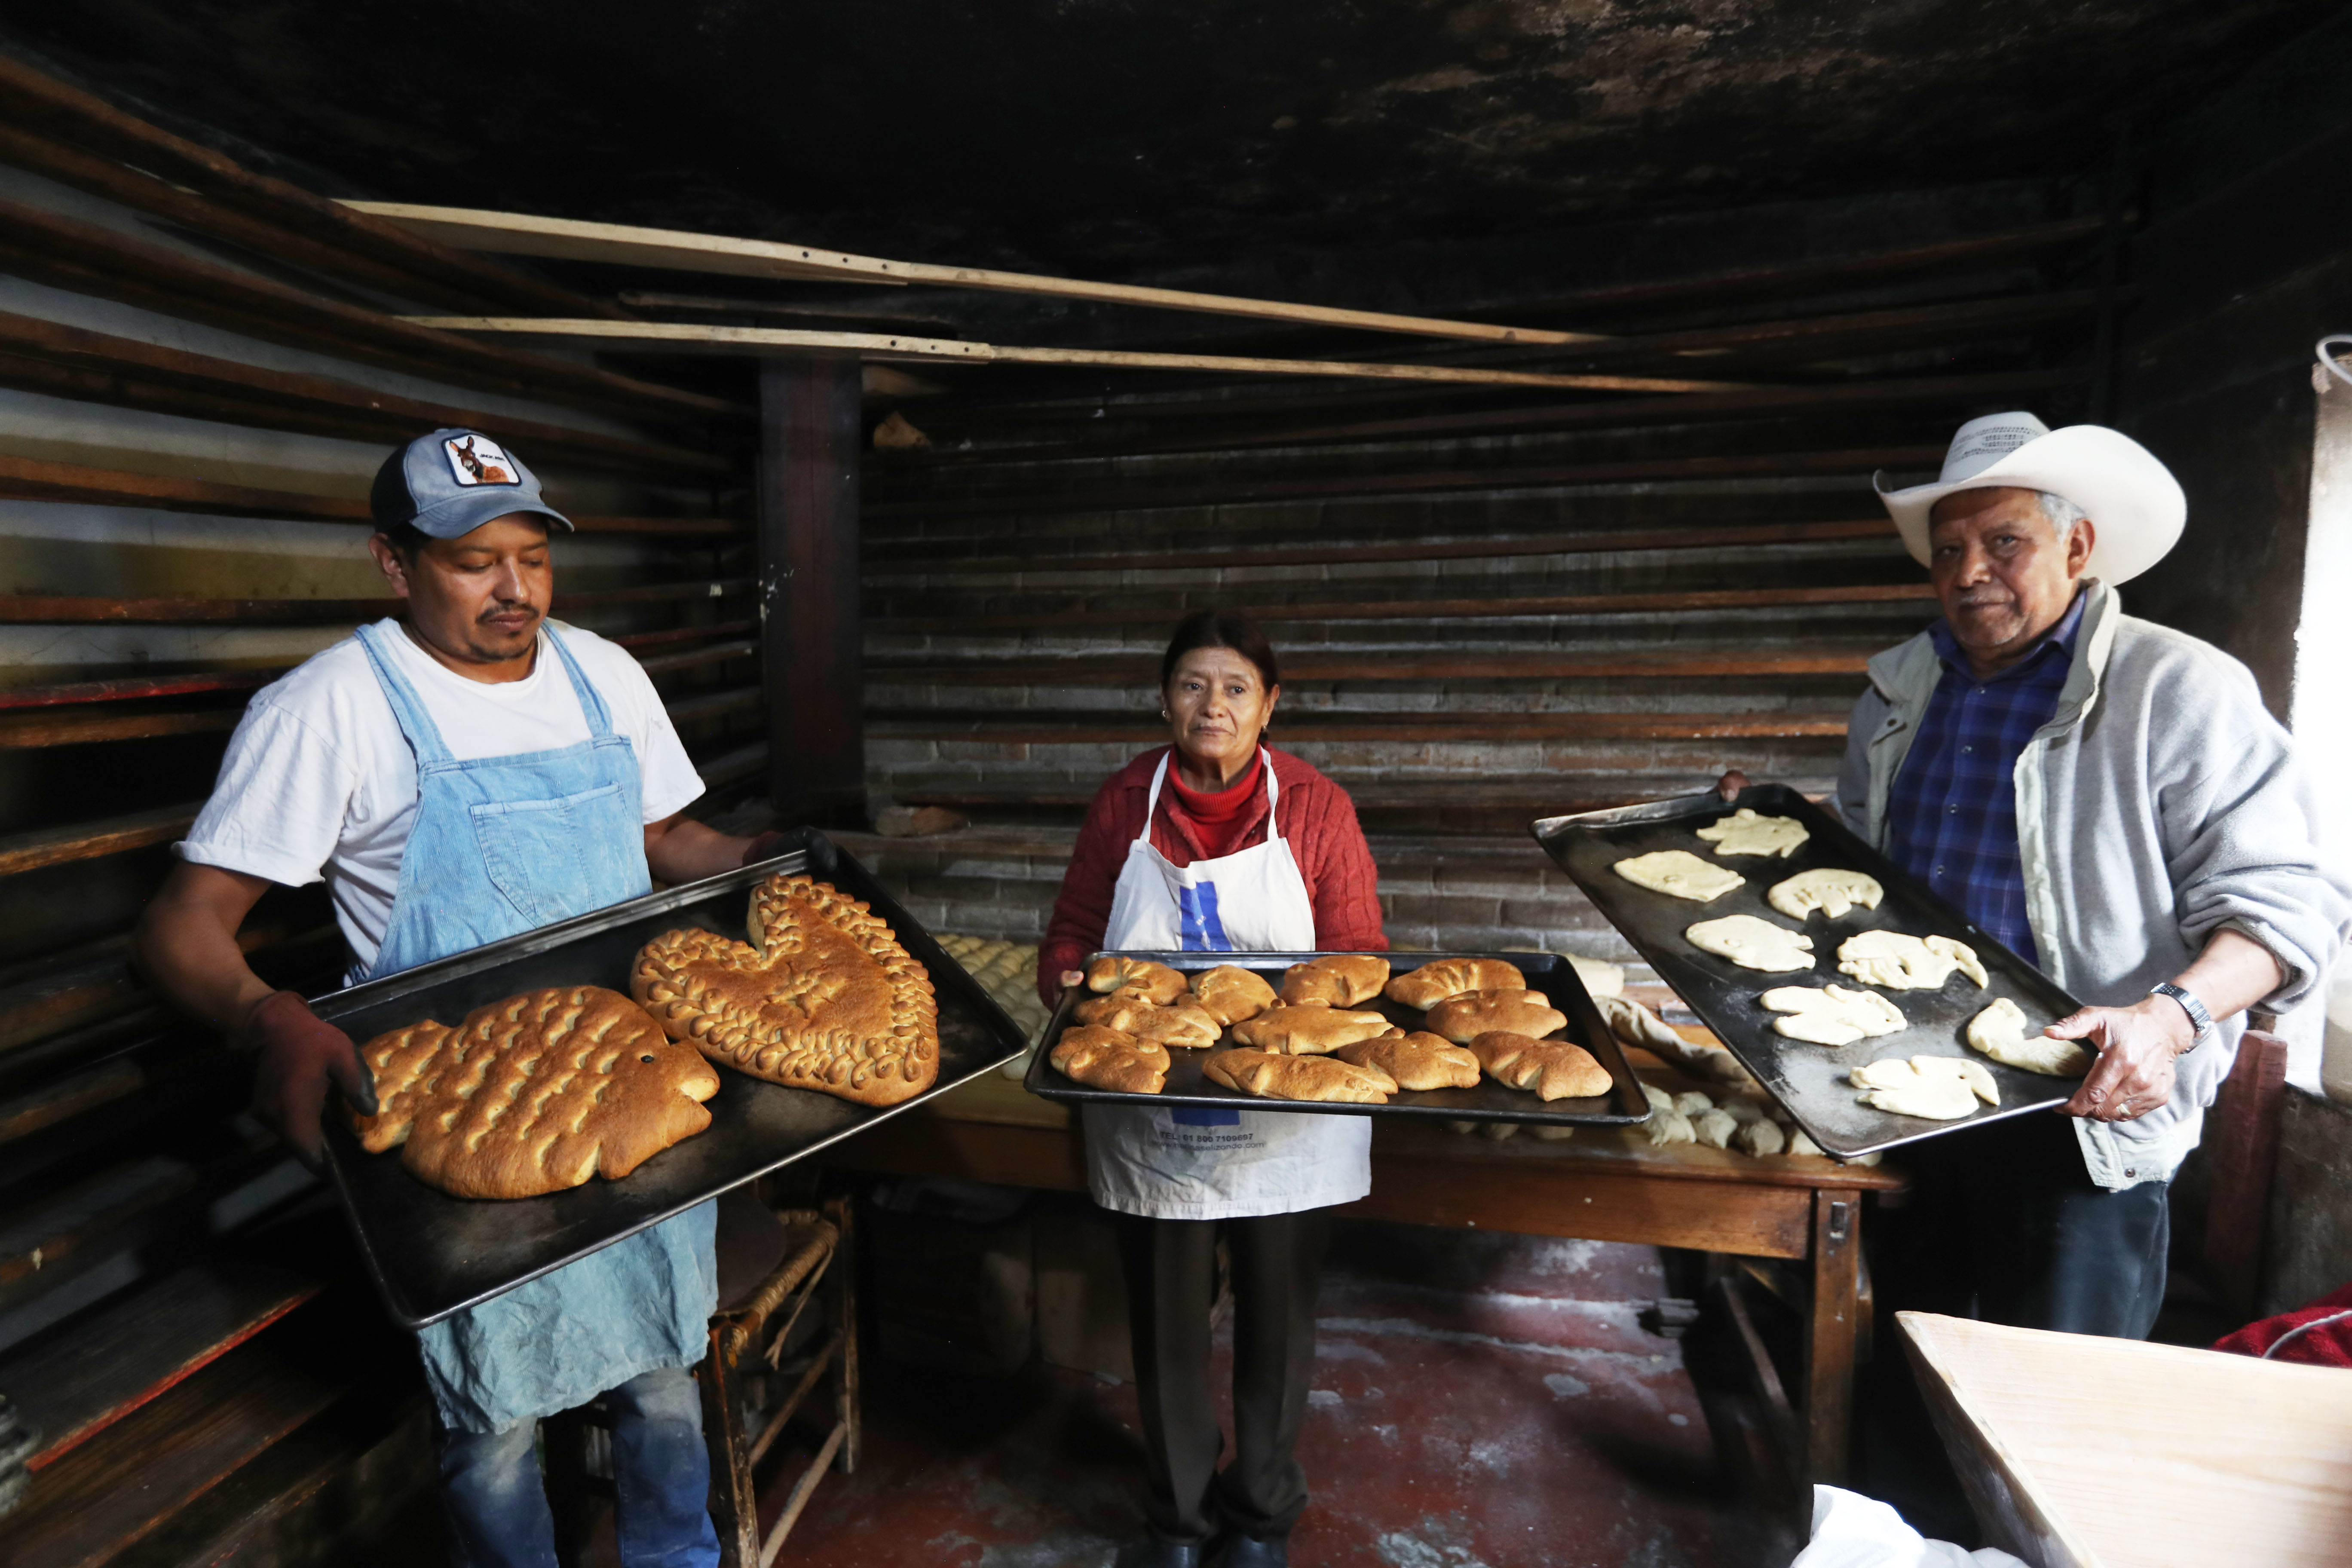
1195 1162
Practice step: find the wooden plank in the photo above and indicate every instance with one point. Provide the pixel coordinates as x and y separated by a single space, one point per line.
1833 1326
1138 497
1755 1222
101 367
1079 728
32 99
1117 669
672 635
811 430
1211 559
716 705
1434 609
53 1104
517 234
41 729
116 1490
75 1382
133 687
687 337
87 258
786 310
22 852
1958 322
721 653
24 609
51 1236
727 767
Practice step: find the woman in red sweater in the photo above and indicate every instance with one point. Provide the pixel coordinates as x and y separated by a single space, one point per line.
1218 842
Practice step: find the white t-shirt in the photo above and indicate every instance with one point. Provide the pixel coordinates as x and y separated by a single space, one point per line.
319 777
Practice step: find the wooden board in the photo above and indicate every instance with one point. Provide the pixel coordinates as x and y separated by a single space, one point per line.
1115 670
2080 1452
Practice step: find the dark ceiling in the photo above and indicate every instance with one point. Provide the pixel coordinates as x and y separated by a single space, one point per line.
1115 137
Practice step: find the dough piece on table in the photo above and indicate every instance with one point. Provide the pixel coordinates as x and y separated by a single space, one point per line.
1308 1031
1753 943
1759 1137
1746 833
1230 994
1936 1088
1832 1015
1183 1027
1551 1070
1433 982
1463 1019
533 1094
1417 1061
1109 1059
1669 1126
1690 1103
1902 962
825 997
1828 889
1637 1026
2000 1033
1156 981
1601 977
1335 979
1273 1077
1498 1130
1679 874
1714 1127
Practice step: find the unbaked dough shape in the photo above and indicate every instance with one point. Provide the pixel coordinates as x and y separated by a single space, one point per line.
1900 962
2000 1033
1753 943
1679 874
1934 1089
1746 833
1833 1014
1831 889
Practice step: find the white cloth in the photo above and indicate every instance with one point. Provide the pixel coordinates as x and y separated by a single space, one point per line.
319 779
1851 1531
1173 1163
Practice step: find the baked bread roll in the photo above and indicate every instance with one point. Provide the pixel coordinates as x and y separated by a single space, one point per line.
533 1094
1474 1013
1156 981
1308 1031
1116 1011
824 999
1553 1070
1273 1077
1230 994
1106 1058
1432 982
1335 979
1186 1027
1416 1061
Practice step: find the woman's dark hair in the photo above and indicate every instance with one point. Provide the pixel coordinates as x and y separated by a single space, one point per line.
1214 628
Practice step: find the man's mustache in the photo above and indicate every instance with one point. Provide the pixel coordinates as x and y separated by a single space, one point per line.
508 607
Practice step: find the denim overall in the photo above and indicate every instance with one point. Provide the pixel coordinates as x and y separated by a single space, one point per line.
501 845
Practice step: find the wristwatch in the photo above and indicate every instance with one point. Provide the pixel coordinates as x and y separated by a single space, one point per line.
2197 1016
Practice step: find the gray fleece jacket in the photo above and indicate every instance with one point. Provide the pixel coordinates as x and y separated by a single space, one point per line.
2160 804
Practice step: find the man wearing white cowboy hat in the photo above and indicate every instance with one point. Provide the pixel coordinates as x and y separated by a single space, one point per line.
2110 798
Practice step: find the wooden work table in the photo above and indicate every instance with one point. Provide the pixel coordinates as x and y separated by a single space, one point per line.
1604 1184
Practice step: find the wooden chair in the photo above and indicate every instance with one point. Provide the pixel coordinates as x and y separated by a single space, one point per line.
755 1327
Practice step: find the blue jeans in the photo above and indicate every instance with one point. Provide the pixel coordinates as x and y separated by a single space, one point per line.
494 1504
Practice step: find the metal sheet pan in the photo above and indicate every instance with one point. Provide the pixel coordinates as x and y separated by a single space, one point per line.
1546 971
432 1254
1810 1080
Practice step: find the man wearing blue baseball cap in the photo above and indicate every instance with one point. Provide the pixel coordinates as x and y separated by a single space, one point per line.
397 764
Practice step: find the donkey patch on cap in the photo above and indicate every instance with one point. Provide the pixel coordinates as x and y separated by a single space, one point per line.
477 460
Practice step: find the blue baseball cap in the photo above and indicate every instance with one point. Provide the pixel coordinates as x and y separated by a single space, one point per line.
449 483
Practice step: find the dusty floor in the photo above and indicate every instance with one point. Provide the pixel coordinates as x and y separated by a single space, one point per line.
1480 1402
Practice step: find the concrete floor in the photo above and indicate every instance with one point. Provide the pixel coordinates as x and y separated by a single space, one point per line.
1480 1402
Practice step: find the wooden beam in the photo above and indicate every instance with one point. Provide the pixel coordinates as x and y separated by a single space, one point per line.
1965 318
28 609
517 234
743 762
1457 728
22 852
42 728
889 348
813 640
1126 669
722 653
684 634
784 311
132 687
31 99
716 704
1210 559
87 258
99 367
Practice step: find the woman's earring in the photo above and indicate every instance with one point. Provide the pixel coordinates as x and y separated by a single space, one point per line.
1163 716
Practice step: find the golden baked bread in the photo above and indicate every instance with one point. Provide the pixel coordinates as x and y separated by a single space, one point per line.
1418 1060
825 1000
1465 1017
1335 979
1312 1030
1231 993
1106 1058
1156 981
1554 1070
1432 982
1273 1077
1116 1011
533 1094
1186 1027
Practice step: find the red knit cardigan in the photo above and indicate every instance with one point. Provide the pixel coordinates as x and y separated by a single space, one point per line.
1318 818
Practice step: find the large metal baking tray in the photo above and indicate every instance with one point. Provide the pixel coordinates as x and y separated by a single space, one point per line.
1809 1079
1546 971
431 1255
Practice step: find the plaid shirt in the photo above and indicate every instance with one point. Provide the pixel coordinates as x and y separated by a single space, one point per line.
1952 817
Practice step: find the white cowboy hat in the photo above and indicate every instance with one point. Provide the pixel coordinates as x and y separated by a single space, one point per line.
2133 501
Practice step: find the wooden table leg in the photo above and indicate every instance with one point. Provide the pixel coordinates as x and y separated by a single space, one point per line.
1829 1336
